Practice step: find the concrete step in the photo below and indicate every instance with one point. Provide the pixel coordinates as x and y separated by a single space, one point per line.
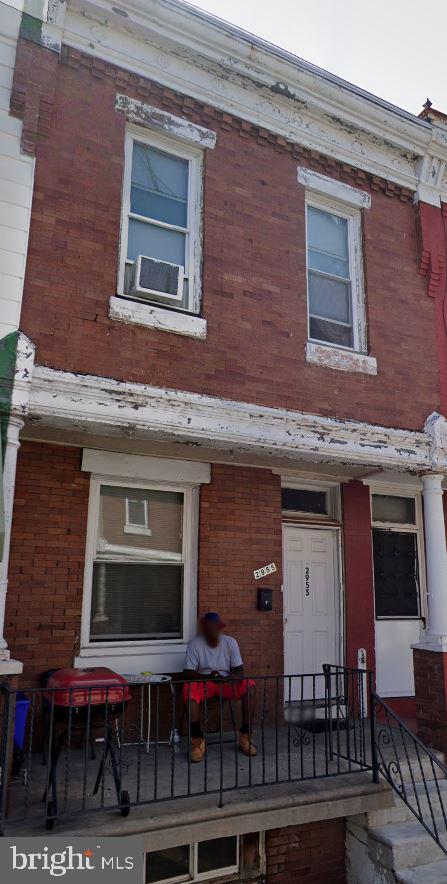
417 769
432 873
400 813
404 845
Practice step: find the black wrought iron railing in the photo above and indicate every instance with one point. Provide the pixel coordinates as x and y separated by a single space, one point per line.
84 755
416 773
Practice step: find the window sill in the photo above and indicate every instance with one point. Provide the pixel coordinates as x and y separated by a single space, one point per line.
150 316
157 658
339 359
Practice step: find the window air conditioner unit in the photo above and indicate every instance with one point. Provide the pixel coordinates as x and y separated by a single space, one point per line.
157 279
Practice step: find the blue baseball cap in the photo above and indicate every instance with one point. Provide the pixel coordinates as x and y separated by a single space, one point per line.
213 617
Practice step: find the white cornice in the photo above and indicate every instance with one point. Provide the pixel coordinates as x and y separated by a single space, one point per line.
190 51
96 405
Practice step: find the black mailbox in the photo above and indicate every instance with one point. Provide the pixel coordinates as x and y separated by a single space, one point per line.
265 600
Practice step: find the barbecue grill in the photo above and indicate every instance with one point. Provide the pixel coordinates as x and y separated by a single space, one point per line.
80 700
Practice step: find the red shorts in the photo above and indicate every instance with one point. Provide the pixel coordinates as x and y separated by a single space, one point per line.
195 690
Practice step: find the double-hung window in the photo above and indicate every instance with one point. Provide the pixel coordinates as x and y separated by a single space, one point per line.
333 274
137 572
160 238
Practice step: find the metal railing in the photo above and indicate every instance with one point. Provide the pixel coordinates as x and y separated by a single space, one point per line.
412 769
90 756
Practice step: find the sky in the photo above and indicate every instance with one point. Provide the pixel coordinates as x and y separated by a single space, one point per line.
396 49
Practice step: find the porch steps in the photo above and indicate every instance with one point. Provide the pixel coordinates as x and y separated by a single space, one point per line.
390 845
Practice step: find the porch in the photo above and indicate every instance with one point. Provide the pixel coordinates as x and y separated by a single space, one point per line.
56 756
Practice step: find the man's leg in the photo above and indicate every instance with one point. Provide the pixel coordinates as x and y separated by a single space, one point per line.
248 708
245 691
194 694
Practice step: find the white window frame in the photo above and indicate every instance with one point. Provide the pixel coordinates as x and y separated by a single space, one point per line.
355 251
193 238
194 875
136 528
416 528
158 648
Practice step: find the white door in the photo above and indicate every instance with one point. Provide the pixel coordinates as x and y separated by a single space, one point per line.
311 604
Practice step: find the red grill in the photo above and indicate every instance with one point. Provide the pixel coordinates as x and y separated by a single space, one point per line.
84 687
79 700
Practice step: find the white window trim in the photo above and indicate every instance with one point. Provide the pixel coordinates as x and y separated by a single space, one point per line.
138 471
350 196
151 316
193 245
331 491
194 875
391 490
353 217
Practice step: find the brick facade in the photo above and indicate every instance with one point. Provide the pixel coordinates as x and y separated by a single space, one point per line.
313 853
240 529
254 271
430 676
358 566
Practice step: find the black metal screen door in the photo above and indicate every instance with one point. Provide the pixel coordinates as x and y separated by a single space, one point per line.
396 580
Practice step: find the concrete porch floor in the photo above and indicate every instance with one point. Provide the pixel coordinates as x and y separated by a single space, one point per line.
287 761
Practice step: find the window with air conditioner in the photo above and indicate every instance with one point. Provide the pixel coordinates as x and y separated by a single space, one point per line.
160 237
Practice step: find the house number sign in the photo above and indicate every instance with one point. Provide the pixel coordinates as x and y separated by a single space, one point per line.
307 580
262 572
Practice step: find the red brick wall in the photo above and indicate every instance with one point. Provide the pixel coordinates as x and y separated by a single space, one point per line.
254 282
430 680
43 608
359 585
313 853
240 529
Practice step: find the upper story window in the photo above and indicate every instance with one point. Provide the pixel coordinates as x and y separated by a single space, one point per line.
334 274
160 239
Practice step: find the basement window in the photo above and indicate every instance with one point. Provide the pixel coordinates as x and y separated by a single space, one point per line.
202 861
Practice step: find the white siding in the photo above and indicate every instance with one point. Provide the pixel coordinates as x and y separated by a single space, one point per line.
16 184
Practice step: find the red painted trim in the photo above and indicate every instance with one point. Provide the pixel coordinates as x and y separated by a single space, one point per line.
433 264
359 586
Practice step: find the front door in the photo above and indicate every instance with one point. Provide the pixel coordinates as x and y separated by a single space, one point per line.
311 603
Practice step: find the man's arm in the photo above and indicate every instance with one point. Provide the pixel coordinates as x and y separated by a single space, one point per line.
236 662
237 671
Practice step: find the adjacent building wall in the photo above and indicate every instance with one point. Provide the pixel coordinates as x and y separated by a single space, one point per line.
16 183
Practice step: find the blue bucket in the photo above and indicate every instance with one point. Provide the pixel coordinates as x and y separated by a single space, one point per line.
22 706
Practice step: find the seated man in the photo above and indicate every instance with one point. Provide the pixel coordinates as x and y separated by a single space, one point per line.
214 656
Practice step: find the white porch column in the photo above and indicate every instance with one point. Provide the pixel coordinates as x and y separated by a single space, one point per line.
9 477
436 556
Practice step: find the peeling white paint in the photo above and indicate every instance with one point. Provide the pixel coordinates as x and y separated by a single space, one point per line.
154 118
135 313
317 183
341 360
106 406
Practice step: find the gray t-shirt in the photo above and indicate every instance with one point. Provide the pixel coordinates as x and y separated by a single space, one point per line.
200 657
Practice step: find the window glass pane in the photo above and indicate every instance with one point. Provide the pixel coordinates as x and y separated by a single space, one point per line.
395 574
136 512
328 264
329 298
159 185
133 601
388 508
327 238
330 332
304 501
219 853
165 518
155 242
169 863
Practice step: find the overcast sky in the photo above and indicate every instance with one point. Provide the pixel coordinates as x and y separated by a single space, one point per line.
396 49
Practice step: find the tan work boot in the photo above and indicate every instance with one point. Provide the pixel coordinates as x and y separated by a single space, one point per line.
197 748
246 745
